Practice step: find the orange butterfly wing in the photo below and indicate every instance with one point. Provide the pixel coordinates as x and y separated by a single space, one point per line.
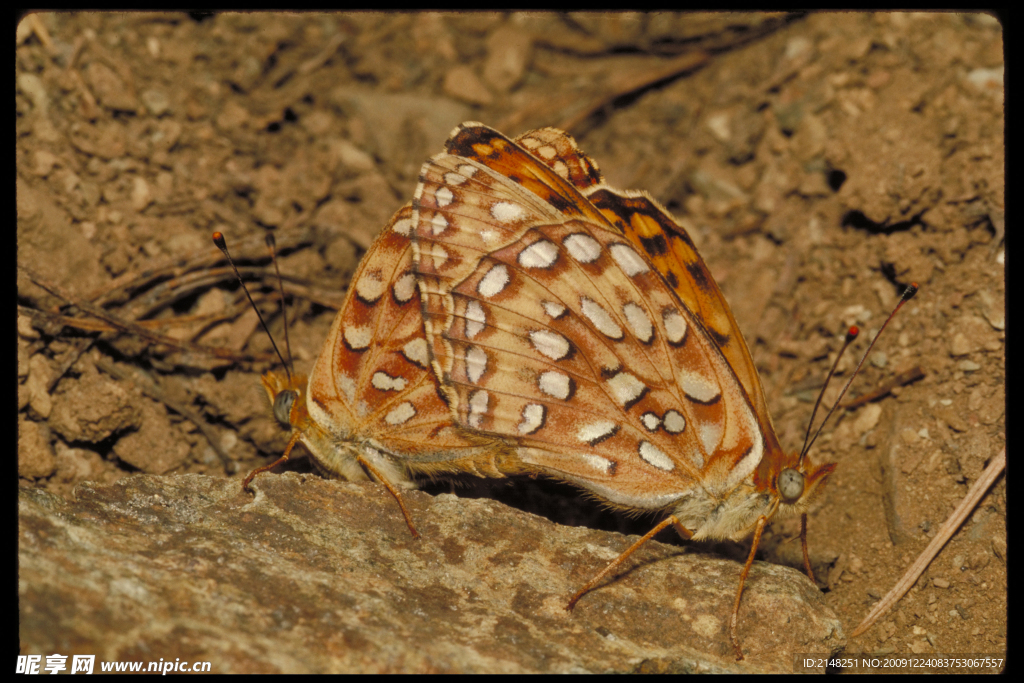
371 394
548 328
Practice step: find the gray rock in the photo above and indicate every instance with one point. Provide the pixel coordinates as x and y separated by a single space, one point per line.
319 576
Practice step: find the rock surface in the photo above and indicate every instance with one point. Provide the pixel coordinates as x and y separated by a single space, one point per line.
316 576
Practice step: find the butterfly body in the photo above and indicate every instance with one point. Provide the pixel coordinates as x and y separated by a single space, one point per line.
337 452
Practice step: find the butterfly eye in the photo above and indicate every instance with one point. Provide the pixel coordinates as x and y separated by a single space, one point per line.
283 406
791 485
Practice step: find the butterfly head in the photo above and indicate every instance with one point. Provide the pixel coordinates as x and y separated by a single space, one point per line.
795 481
288 397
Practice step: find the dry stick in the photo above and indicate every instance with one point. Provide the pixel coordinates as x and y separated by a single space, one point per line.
45 317
321 58
148 335
944 533
912 375
629 82
39 29
626 80
165 293
90 325
150 389
176 267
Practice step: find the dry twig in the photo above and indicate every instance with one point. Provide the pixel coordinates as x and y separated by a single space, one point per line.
944 533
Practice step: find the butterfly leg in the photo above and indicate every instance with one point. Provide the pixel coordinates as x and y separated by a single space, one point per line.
379 476
284 458
803 543
683 532
761 522
670 520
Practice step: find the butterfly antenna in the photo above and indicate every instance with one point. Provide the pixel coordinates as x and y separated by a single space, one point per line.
851 334
908 294
218 239
272 247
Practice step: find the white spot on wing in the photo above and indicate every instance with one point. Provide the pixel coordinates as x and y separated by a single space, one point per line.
541 254
600 318
583 248
443 196
403 227
547 152
631 262
478 401
551 344
602 465
596 431
476 363
358 338
533 418
675 325
507 212
347 385
490 237
400 414
638 322
494 281
651 421
405 288
434 255
710 434
553 308
467 170
699 387
438 224
370 287
626 388
476 318
555 384
654 456
455 179
385 382
675 423
416 351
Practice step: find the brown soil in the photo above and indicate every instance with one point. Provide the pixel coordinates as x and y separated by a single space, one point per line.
820 162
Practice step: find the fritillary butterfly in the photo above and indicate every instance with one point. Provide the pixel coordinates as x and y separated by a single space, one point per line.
619 371
371 405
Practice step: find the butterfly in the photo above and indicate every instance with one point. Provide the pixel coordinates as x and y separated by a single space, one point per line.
370 407
580 324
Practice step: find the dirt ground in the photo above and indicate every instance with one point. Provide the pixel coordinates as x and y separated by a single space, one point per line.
821 162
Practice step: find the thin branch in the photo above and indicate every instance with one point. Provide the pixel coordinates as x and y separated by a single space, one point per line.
126 326
904 378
